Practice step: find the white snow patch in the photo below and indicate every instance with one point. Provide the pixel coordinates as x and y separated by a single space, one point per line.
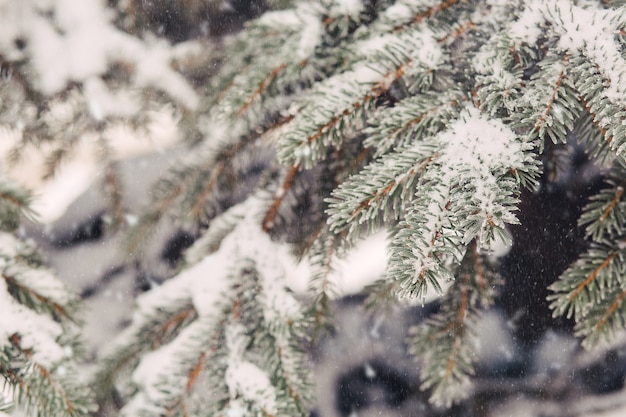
483 145
403 11
54 197
527 27
347 7
428 49
305 18
311 34
369 371
37 331
590 30
74 40
163 373
210 283
363 265
102 102
245 378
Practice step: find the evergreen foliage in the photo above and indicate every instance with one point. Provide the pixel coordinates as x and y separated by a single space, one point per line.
423 118
38 333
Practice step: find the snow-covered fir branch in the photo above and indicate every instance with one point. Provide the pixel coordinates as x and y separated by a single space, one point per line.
317 124
38 332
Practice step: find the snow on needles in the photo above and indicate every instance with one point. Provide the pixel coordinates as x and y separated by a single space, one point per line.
485 146
73 40
305 18
208 287
476 152
36 331
244 378
474 156
582 30
482 150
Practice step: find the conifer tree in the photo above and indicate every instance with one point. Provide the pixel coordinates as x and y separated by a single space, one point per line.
38 325
424 118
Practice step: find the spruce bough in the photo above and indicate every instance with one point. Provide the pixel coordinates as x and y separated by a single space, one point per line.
425 119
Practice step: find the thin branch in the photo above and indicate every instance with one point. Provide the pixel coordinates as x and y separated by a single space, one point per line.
542 120
458 31
58 308
614 306
377 196
591 276
611 206
261 88
208 188
427 14
270 215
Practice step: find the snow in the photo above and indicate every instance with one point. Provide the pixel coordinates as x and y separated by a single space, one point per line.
102 102
404 11
429 52
493 343
249 241
53 198
163 373
350 8
81 169
435 220
153 70
78 43
399 12
526 28
369 46
421 45
312 31
482 150
597 41
210 283
305 18
244 378
40 280
483 145
173 292
37 331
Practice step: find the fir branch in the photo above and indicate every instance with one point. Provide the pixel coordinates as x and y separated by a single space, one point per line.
44 391
141 338
457 31
604 216
35 300
322 255
211 183
412 119
319 125
443 343
380 192
603 320
112 186
554 114
262 87
582 288
14 205
270 215
426 14
587 132
210 241
473 203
